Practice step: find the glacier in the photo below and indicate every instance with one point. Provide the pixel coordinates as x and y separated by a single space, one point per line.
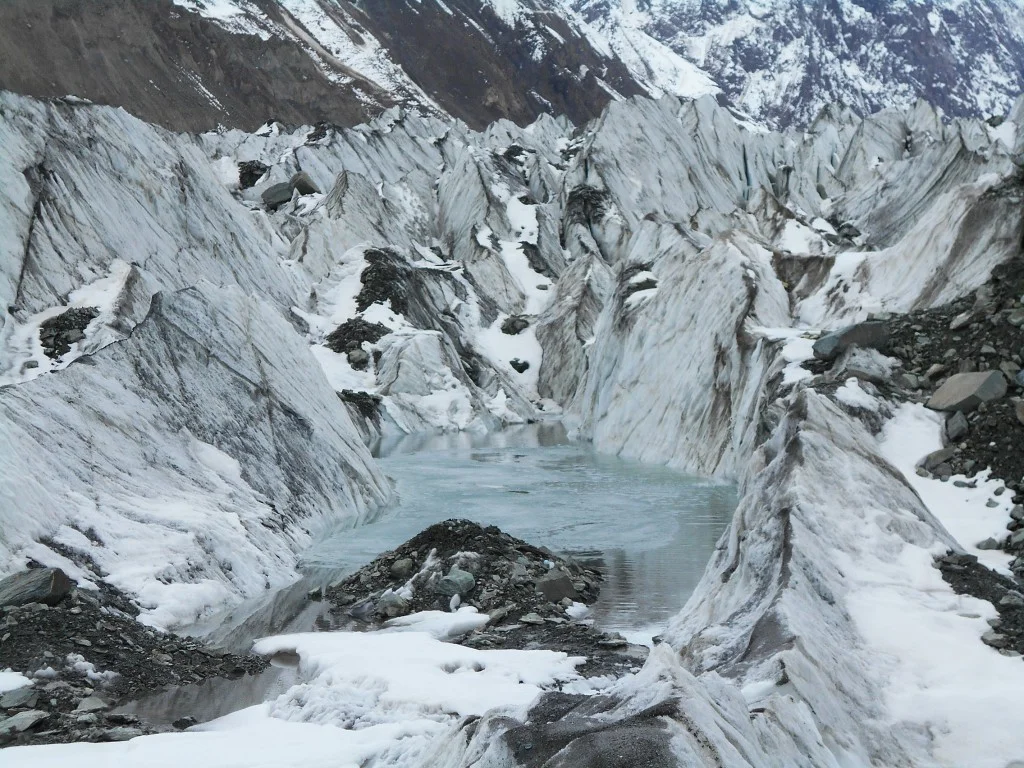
672 265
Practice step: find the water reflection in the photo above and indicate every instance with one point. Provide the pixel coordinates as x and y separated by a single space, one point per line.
213 698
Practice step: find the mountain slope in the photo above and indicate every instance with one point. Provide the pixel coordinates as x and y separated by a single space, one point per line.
781 61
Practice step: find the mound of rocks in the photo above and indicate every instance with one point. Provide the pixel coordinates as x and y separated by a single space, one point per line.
533 597
58 333
965 358
968 577
86 654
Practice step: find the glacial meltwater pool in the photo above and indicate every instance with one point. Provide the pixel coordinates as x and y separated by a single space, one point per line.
650 530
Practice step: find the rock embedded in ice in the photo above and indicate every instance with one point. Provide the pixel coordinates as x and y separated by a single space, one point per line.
303 184
38 585
391 605
966 391
515 324
277 195
873 334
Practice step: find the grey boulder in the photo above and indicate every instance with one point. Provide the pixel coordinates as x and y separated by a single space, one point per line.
19 697
38 585
392 605
555 586
873 334
956 427
936 458
22 721
966 391
457 582
303 184
277 195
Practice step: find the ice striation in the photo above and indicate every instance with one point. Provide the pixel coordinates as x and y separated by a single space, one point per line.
661 271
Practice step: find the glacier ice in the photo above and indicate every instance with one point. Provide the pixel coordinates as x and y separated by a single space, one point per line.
674 264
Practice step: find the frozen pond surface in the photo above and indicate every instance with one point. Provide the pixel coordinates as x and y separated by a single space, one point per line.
650 530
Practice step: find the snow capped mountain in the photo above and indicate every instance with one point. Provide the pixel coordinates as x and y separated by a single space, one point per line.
781 61
194 64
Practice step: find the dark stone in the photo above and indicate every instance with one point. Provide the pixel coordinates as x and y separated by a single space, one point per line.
250 172
303 184
872 334
520 366
956 427
351 335
184 722
515 324
555 586
38 585
565 731
58 333
367 403
277 195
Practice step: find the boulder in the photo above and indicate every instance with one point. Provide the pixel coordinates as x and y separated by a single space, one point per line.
457 582
936 458
1018 411
520 366
303 184
277 195
556 586
19 697
22 721
961 321
873 334
391 604
38 585
92 704
956 427
966 391
402 569
514 325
